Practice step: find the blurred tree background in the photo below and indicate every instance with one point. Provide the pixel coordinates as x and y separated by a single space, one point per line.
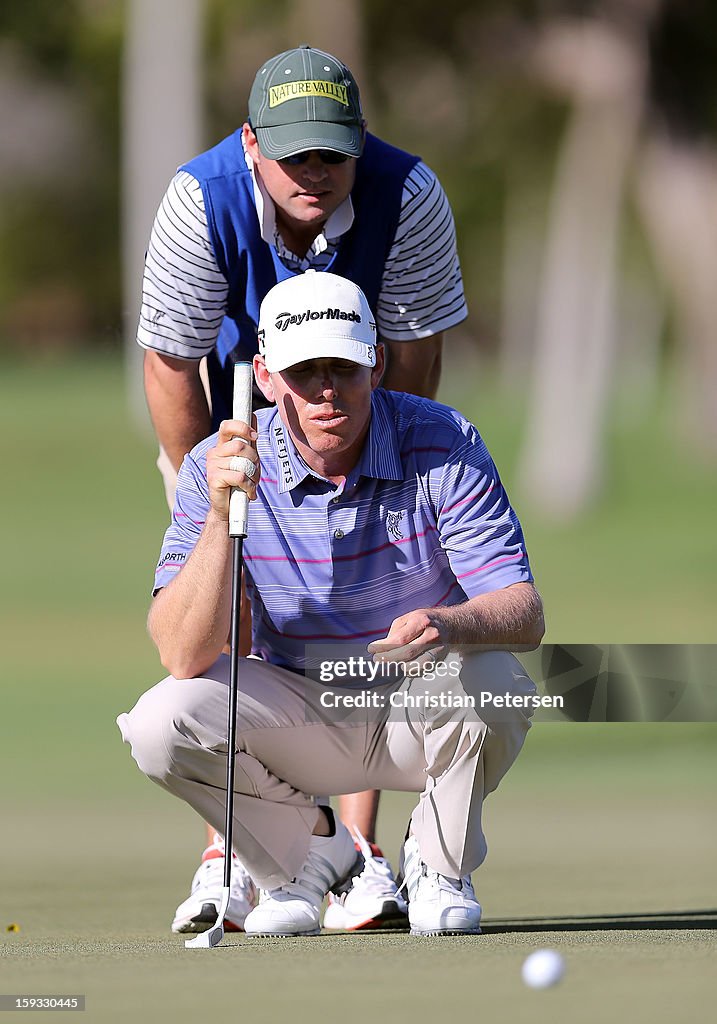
59 173
452 89
575 140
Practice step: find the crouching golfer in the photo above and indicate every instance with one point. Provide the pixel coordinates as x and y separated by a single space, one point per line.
376 518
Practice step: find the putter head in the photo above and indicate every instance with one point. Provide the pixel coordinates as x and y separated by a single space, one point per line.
214 935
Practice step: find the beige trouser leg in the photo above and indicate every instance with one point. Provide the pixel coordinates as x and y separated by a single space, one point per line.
290 748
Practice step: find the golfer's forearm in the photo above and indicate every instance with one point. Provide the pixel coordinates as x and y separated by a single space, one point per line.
414 366
177 404
190 618
508 618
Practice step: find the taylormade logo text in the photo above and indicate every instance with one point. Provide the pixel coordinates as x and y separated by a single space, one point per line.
284 319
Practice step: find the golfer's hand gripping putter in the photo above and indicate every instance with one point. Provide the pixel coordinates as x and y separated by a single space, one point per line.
238 501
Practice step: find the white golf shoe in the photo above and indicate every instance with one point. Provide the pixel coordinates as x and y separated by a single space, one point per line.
201 909
294 908
372 901
438 905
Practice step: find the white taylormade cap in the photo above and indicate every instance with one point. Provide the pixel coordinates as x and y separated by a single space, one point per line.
316 315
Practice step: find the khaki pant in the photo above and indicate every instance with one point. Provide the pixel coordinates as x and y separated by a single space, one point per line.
290 748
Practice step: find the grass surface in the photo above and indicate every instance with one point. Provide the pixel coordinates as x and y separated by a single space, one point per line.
593 822
95 882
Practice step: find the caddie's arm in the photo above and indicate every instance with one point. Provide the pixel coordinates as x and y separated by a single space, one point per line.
189 620
507 619
177 403
414 366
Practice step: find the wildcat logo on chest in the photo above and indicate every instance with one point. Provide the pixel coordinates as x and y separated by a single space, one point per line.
393 524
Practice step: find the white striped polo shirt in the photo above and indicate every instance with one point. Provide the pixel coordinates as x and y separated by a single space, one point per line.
184 293
422 520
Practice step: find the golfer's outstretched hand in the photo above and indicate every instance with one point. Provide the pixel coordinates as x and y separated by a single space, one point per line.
233 463
416 636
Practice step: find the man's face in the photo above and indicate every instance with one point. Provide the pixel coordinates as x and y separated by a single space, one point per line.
326 404
305 194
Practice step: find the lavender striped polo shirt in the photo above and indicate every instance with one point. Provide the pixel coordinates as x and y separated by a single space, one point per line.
422 520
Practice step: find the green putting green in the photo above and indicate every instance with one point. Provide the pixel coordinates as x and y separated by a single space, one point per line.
602 839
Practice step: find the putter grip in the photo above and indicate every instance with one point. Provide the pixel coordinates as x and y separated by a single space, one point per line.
238 501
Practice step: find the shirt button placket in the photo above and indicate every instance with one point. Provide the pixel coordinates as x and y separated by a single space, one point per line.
336 512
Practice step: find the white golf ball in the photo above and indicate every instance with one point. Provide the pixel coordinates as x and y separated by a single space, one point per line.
543 968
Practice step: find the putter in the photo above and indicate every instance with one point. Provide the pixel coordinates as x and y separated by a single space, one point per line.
238 510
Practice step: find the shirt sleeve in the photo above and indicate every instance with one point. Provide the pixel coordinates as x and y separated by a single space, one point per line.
188 516
184 293
422 287
478 527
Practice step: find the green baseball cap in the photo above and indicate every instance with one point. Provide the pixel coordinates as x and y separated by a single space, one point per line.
305 99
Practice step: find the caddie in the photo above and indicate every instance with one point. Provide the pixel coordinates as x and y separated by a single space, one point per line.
375 517
301 185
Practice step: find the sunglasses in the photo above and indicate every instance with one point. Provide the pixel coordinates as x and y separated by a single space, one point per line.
327 156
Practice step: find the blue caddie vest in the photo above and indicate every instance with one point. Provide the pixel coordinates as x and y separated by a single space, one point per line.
251 266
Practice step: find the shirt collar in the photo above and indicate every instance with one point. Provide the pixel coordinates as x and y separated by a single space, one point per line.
380 458
291 468
338 223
